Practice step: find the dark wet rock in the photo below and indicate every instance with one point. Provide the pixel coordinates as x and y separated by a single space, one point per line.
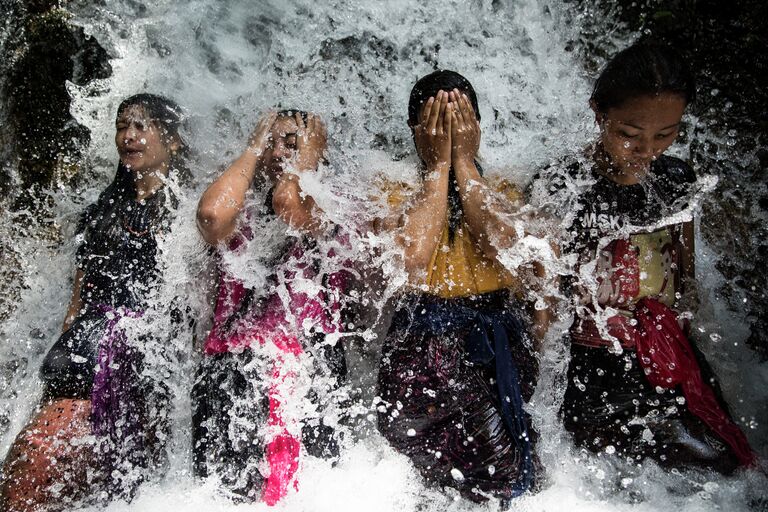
359 48
42 51
41 144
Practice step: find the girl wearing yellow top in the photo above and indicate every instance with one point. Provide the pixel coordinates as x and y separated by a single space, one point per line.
457 361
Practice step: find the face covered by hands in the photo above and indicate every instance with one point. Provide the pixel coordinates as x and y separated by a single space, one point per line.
448 132
285 142
465 129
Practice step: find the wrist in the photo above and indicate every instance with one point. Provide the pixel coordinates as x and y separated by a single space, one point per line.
438 167
307 162
464 163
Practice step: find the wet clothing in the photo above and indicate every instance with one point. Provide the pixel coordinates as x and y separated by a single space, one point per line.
269 349
635 385
117 255
446 364
231 415
95 359
459 268
456 367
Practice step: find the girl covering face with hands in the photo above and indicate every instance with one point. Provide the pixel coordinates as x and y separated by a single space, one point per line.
457 362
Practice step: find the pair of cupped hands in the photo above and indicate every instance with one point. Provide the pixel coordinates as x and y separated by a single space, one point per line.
311 140
448 133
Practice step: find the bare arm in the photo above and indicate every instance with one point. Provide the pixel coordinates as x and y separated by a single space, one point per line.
75 303
483 209
223 200
294 206
543 318
419 227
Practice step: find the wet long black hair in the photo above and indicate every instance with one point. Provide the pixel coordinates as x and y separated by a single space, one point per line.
426 87
168 117
644 69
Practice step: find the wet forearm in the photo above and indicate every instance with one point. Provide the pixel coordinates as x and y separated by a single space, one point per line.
423 222
483 211
223 200
75 303
296 208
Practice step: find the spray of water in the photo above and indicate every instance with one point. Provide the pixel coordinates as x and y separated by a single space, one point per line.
354 64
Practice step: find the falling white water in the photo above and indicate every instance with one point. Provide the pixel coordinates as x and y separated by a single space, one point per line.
354 64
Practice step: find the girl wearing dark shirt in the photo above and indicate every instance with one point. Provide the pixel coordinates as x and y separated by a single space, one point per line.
637 386
92 381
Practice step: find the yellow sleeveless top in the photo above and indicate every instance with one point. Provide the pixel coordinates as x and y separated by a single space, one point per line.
459 268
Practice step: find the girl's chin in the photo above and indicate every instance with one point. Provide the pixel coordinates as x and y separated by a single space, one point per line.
636 168
130 162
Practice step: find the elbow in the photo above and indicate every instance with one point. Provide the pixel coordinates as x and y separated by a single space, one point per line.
210 224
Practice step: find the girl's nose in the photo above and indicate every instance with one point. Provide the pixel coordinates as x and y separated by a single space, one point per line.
644 148
131 133
281 151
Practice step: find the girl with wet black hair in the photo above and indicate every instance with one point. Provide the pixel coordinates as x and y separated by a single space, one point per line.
93 387
637 385
247 388
458 361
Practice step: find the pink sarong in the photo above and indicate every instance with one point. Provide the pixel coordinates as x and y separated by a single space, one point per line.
281 327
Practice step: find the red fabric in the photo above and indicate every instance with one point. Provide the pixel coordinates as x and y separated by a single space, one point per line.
284 449
585 332
625 271
280 323
668 360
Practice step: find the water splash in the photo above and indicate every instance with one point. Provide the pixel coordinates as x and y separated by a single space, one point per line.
353 63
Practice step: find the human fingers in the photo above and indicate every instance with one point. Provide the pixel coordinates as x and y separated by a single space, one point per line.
459 120
426 111
443 113
261 134
320 127
301 128
461 113
470 116
266 120
311 125
450 110
436 109
456 99
319 134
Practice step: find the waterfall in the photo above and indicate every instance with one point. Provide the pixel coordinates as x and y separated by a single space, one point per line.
354 64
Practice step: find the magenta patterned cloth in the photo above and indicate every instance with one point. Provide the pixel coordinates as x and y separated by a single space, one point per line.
300 299
235 329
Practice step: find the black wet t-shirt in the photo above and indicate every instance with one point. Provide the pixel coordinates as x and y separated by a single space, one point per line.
118 252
